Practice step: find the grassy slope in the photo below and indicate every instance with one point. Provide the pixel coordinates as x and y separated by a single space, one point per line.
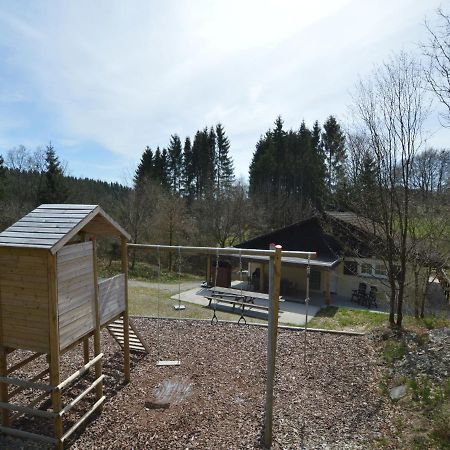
144 302
335 318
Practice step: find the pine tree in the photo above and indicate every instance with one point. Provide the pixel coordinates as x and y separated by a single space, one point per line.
188 170
2 176
223 161
203 155
160 174
145 168
318 167
333 140
53 189
175 163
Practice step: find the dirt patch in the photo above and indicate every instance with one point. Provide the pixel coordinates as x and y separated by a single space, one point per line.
332 401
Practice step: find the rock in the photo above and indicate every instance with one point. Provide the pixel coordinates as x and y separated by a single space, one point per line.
397 392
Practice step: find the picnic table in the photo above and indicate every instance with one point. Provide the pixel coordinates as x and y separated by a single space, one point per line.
249 296
239 301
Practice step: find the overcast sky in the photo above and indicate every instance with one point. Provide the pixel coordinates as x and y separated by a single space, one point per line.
103 79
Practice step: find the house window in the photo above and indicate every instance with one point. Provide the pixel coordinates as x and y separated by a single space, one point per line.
350 268
314 280
366 269
380 270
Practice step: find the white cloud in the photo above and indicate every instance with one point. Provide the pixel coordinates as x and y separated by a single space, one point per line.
125 75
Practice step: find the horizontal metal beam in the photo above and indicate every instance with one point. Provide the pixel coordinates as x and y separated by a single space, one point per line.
222 251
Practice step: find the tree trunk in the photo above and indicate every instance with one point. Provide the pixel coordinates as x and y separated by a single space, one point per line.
416 294
401 290
425 293
392 306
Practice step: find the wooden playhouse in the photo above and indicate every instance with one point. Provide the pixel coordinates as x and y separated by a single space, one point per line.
50 301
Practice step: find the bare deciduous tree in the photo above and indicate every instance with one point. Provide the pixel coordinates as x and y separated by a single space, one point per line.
392 108
437 51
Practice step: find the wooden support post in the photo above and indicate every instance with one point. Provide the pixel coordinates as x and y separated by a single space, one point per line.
4 386
261 278
54 356
84 238
97 342
272 330
126 320
327 288
86 349
208 269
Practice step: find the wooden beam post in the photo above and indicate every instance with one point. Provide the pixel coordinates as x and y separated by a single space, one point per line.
208 269
126 319
327 288
261 278
86 350
4 386
54 355
272 330
84 237
97 341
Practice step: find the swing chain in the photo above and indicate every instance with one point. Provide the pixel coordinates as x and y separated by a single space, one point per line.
179 303
157 302
242 318
214 319
308 272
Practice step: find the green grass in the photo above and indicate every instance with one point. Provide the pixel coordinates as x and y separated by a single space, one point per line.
394 350
342 318
428 323
335 318
426 407
143 301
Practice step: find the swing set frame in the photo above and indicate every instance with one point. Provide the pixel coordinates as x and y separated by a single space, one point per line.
275 254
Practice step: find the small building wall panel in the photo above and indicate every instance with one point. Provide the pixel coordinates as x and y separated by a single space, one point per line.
75 276
24 299
111 294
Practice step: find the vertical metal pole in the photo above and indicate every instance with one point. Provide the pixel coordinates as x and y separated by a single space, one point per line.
272 330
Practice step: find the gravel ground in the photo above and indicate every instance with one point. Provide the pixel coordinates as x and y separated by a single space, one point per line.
217 395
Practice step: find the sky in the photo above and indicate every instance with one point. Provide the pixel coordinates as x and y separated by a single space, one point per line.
102 80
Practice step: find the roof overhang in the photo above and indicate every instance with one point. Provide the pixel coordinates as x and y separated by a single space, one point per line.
325 264
51 226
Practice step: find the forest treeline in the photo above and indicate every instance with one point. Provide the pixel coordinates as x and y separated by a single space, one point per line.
187 192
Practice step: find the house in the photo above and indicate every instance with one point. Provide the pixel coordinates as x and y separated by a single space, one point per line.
344 258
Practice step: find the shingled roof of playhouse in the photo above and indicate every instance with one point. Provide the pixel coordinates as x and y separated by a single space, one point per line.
51 226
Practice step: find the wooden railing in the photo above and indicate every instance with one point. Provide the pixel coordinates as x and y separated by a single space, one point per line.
31 409
111 295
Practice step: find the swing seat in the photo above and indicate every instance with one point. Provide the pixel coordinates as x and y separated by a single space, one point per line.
163 363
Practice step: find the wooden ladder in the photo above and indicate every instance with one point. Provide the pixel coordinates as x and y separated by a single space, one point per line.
137 343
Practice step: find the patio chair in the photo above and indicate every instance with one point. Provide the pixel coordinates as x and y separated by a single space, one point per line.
360 295
372 297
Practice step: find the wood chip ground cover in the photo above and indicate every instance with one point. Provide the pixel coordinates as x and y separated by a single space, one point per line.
332 401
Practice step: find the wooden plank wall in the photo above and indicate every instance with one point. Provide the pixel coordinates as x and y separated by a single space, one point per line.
111 297
24 299
75 275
